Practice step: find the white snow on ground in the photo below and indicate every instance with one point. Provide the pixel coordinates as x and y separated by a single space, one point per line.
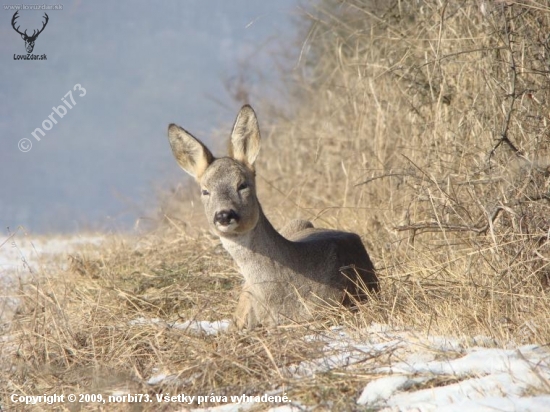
208 328
19 252
484 378
22 255
198 327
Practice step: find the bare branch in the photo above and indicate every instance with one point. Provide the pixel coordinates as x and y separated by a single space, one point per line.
513 95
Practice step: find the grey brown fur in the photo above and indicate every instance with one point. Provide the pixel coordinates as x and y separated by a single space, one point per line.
288 274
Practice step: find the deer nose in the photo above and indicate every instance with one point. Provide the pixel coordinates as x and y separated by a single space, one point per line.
226 217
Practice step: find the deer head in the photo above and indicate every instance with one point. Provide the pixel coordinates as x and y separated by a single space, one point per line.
29 40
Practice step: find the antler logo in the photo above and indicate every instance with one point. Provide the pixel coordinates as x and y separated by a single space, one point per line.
29 40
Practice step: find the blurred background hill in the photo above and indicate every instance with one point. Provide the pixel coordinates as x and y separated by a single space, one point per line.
143 65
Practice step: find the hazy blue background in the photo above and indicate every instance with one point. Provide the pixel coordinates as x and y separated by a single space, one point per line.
144 65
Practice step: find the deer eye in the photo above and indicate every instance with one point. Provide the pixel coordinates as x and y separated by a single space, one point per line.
205 192
242 186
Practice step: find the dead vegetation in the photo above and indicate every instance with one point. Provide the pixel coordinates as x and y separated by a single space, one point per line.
112 324
425 127
421 125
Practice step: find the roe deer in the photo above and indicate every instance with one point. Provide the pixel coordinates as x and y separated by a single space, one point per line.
285 276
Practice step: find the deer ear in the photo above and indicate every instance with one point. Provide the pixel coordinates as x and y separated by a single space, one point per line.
23 36
191 154
245 137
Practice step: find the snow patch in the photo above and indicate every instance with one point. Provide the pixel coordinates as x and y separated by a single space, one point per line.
204 326
198 327
461 378
384 388
18 253
22 256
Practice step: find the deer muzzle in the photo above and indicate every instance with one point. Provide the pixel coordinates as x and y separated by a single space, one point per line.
226 218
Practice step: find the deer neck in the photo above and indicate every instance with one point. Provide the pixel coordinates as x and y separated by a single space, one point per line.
258 249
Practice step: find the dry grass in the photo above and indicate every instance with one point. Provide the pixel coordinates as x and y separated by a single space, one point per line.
87 330
423 126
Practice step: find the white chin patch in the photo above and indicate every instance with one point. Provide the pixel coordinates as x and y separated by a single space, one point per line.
227 229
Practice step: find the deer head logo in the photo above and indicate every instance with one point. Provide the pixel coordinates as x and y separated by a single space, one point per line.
29 40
